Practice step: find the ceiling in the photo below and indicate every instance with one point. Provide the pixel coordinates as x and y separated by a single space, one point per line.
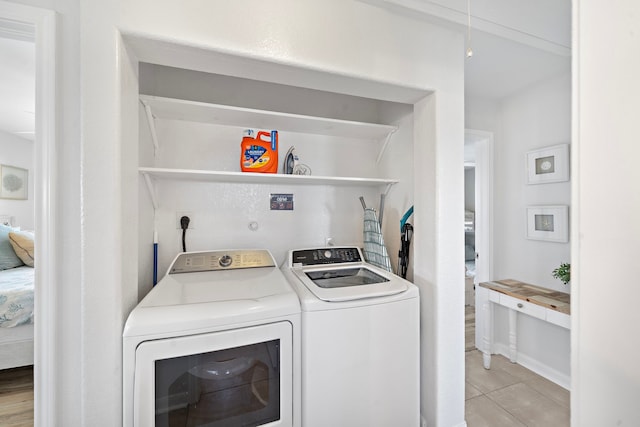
501 67
515 44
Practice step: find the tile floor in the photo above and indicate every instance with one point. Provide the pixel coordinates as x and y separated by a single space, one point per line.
469 328
508 394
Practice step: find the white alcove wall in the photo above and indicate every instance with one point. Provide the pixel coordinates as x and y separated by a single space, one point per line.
231 209
436 250
414 62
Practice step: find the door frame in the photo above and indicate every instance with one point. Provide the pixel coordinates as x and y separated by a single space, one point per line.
44 23
483 142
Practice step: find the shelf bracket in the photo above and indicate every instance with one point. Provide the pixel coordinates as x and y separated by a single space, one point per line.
388 188
385 145
152 127
152 190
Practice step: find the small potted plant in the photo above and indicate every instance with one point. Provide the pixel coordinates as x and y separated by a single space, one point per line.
563 273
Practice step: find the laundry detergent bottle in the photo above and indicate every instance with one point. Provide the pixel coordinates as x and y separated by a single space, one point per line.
259 152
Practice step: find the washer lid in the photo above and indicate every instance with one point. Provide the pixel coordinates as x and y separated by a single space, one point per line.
348 282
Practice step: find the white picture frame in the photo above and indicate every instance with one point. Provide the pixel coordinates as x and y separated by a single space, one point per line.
14 182
548 223
548 164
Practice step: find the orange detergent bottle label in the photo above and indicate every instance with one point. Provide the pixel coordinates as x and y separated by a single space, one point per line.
259 153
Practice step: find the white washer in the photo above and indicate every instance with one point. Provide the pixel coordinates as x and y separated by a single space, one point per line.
216 343
360 340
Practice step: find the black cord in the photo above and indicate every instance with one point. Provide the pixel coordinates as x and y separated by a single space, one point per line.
184 224
403 254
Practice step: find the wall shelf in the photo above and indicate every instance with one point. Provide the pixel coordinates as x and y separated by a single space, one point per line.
260 178
178 109
150 174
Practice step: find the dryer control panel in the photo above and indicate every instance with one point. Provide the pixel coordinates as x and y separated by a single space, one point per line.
192 262
329 255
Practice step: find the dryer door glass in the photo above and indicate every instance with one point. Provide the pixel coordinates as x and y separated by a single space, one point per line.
236 386
236 377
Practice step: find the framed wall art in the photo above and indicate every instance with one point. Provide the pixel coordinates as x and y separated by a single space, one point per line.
13 182
549 223
548 164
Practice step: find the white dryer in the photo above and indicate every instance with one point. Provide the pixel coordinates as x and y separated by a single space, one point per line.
360 340
215 343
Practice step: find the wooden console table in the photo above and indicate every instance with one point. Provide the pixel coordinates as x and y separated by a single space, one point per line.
519 297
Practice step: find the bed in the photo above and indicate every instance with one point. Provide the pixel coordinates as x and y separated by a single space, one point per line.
16 297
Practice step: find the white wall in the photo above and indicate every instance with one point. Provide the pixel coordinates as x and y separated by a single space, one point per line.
221 213
18 152
363 42
482 114
606 201
539 116
536 117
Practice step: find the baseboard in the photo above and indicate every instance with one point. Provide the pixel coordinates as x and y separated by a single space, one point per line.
536 366
423 423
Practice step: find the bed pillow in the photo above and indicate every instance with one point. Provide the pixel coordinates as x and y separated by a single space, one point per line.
22 243
8 257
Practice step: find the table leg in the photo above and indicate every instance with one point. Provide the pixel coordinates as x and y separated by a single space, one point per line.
487 336
513 338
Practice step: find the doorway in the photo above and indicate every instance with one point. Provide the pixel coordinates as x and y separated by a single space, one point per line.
478 225
42 24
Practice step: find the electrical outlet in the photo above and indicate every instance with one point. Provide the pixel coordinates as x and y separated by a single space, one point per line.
192 222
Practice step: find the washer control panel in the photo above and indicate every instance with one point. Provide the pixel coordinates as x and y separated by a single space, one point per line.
192 262
330 255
